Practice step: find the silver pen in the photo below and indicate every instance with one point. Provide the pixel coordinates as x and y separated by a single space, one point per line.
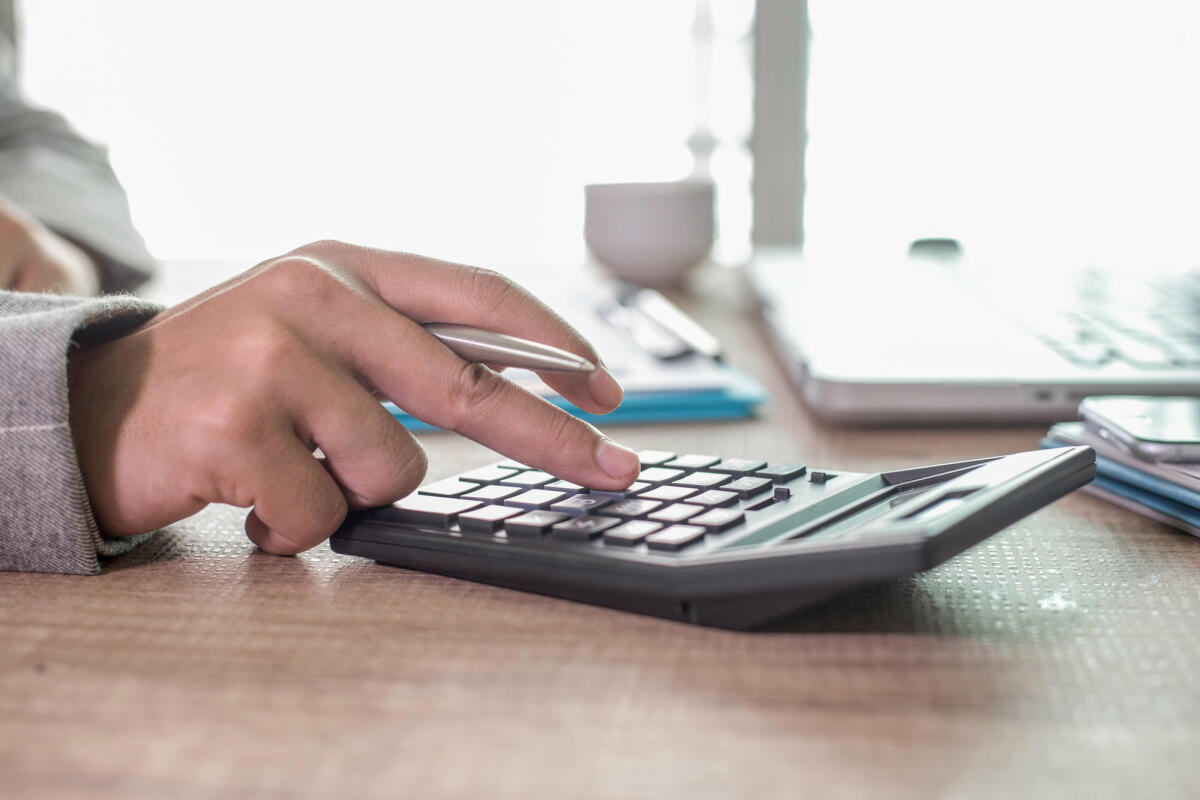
489 347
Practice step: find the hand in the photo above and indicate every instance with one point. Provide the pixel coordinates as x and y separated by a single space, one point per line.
224 398
34 258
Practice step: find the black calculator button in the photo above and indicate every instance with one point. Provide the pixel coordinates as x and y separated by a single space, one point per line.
534 498
650 458
659 475
532 523
738 466
492 493
782 493
426 509
487 519
748 487
581 503
530 479
702 480
692 462
451 487
820 478
634 507
564 486
667 492
675 537
491 474
630 533
583 529
718 519
714 497
676 512
781 473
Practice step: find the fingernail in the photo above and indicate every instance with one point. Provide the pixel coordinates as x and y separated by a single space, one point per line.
604 388
615 460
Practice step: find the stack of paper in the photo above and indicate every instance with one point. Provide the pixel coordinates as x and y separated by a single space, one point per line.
1169 493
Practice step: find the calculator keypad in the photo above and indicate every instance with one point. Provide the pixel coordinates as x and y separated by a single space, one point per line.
678 502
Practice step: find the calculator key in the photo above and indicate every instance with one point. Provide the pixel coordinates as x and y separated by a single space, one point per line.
564 486
490 474
667 493
738 466
781 473
716 520
748 487
676 512
659 475
530 479
451 487
650 458
583 529
702 480
532 524
487 519
630 533
534 498
425 509
820 478
781 493
634 507
637 487
675 537
491 493
692 462
714 497
581 503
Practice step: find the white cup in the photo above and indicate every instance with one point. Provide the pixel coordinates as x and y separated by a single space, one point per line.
650 234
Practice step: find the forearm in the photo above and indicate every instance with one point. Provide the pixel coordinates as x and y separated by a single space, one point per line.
47 523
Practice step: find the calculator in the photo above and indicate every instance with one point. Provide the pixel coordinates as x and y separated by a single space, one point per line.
726 542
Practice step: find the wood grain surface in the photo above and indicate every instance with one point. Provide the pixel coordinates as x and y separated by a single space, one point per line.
1058 659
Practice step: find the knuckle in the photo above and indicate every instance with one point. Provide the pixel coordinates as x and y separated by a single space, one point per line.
472 388
300 279
562 433
410 470
490 289
264 351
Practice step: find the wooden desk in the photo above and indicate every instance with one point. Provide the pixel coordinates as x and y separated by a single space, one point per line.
1060 658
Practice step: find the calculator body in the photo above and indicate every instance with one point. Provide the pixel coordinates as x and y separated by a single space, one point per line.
805 536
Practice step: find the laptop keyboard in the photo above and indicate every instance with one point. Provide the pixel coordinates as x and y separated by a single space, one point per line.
1156 330
677 502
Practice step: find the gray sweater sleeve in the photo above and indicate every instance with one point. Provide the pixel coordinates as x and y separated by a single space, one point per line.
46 523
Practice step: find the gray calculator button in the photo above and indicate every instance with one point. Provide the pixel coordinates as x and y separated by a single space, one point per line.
738 466
426 509
781 473
632 508
649 458
630 533
748 487
530 479
675 537
659 475
719 519
491 474
667 493
702 480
692 462
581 503
676 512
487 519
534 498
583 529
532 523
563 486
451 487
492 493
714 497
637 487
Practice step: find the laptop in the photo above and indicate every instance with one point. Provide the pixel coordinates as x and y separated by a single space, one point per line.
934 338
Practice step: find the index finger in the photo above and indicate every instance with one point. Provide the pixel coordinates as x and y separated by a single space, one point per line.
430 290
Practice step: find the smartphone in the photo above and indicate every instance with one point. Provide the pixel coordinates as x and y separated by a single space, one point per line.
1151 428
